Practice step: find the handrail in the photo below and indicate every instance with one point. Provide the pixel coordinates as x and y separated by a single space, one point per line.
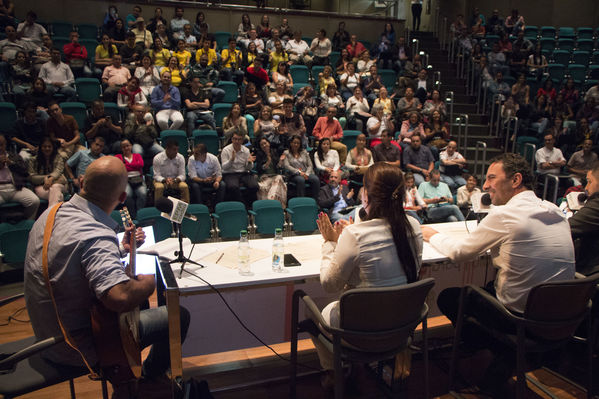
532 153
449 99
462 120
555 180
480 144
495 113
415 45
507 132
437 80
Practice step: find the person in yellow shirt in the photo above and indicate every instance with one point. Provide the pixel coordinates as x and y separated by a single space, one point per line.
159 54
182 54
105 51
210 52
231 62
279 55
325 78
175 69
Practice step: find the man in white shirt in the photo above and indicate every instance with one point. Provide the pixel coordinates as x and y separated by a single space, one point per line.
204 172
529 242
451 165
178 23
253 38
11 45
58 76
169 171
236 164
549 159
30 30
298 50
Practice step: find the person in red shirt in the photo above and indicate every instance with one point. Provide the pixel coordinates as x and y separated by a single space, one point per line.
355 48
256 74
328 126
76 56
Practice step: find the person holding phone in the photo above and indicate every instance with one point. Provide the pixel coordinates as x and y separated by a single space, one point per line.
237 161
439 200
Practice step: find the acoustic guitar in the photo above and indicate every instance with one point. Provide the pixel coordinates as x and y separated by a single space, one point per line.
116 335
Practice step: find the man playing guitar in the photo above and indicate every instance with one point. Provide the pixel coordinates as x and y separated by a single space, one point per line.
78 247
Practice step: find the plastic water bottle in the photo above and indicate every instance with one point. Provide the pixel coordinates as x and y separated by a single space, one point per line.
243 254
278 249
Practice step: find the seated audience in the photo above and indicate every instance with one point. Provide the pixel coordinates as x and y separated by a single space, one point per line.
166 102
298 167
131 52
419 160
336 198
235 122
129 95
62 129
321 48
231 59
136 186
581 162
105 52
548 158
169 172
359 159
98 124
298 50
197 106
28 132
58 76
148 75
439 200
269 163
451 166
46 173
209 77
292 123
77 163
142 35
114 77
178 22
357 109
408 103
13 176
204 175
140 130
413 203
464 196
237 162
388 150
329 127
326 160
410 127
31 30
377 123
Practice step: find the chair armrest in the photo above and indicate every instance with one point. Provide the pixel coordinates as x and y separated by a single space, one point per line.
253 213
491 300
10 299
31 350
289 211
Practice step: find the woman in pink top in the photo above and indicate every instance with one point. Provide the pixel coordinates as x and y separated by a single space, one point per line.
136 189
410 127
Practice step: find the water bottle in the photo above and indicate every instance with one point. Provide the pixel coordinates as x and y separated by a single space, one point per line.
243 254
278 249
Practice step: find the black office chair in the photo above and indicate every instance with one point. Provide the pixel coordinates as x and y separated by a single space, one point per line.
375 325
553 313
24 370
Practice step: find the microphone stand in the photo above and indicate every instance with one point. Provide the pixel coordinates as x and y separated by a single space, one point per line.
180 257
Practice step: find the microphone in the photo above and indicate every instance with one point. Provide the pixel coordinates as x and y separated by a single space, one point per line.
576 200
174 209
481 202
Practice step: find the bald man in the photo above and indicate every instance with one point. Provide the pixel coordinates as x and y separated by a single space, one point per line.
84 266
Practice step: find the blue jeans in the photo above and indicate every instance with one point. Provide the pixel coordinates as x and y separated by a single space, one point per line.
453 182
136 198
153 330
199 115
414 214
68 91
418 178
445 213
152 151
195 190
300 185
217 95
335 216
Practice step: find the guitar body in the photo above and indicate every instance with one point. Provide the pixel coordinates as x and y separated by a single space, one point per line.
116 335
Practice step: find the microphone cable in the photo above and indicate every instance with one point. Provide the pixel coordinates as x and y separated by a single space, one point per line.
243 325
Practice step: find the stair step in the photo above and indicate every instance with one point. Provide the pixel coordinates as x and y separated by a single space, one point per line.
459 108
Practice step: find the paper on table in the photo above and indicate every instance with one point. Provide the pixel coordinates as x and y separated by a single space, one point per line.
305 251
229 256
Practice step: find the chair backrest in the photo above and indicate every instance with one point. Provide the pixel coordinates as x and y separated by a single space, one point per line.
577 72
208 137
334 57
88 89
13 241
76 110
349 138
381 319
232 218
584 33
531 31
585 45
222 39
581 57
554 310
178 135
87 31
61 29
199 230
547 31
90 45
8 116
305 213
566 44
388 77
268 216
231 91
299 73
565 31
220 111
297 87
151 217
561 56
547 43
112 110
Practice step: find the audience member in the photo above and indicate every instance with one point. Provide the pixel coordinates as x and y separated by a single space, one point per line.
77 163
129 95
169 172
166 102
136 187
31 30
451 166
143 37
114 77
464 196
581 162
58 77
62 129
328 127
341 37
269 163
439 200
326 160
359 159
28 132
548 158
148 75
377 123
298 50
209 78
237 162
321 48
419 160
197 106
140 130
298 166
387 151
235 122
178 22
13 176
337 198
204 175
413 203
99 124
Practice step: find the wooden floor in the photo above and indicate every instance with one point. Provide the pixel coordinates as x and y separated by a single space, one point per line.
229 373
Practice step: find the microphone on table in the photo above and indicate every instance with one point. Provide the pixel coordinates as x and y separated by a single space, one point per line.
481 202
576 200
174 209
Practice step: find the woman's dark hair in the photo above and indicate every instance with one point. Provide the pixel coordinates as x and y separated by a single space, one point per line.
42 162
549 82
249 23
231 111
299 150
110 46
32 90
385 29
122 26
284 65
319 149
198 17
386 190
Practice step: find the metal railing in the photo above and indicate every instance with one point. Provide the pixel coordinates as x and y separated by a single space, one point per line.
495 114
555 179
449 102
437 80
461 121
508 132
415 46
483 161
530 148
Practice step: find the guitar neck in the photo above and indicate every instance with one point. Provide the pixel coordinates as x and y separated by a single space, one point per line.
127 222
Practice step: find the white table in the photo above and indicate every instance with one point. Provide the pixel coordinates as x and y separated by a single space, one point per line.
263 300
